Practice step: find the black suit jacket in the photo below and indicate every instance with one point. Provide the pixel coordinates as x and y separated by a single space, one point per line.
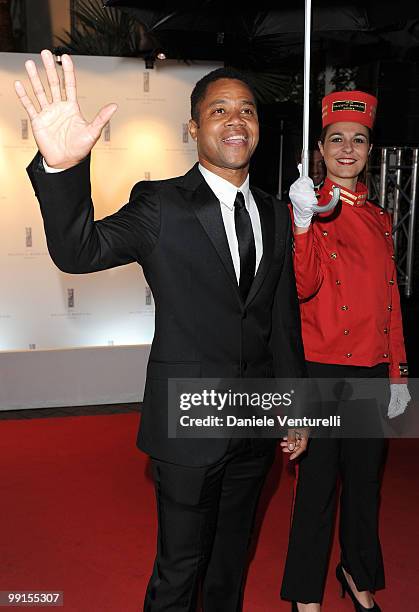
174 230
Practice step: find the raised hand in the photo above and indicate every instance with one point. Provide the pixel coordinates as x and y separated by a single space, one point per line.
62 134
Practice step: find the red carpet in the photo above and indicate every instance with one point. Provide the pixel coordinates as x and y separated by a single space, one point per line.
77 515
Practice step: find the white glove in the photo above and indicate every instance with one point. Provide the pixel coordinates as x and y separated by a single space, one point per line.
399 398
303 198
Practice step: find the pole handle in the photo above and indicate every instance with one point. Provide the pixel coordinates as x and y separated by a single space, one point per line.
331 205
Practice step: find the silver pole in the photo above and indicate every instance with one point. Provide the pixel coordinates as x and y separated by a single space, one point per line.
411 235
306 110
383 177
396 204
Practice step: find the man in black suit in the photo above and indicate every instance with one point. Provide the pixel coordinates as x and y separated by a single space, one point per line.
217 257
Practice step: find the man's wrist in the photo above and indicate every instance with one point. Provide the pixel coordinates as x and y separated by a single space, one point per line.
49 169
52 170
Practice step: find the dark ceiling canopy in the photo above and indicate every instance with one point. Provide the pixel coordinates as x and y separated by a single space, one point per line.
271 37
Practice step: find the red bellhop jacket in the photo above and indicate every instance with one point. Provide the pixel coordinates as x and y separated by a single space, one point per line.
347 285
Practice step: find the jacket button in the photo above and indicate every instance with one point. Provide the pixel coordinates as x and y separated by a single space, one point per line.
344 307
325 233
348 355
338 282
387 234
385 355
346 332
389 308
381 212
393 257
391 282
385 330
333 255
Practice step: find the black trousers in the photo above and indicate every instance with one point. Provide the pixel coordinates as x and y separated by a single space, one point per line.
205 520
359 463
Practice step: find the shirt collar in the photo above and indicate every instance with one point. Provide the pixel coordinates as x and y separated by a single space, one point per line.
353 198
224 190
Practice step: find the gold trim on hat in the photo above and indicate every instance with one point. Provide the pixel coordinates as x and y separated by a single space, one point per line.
349 105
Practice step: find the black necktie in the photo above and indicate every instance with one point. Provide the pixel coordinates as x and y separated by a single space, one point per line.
246 240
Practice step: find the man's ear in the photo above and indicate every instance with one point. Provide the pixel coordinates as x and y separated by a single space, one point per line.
193 128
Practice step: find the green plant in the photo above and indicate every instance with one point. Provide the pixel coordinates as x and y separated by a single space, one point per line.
104 31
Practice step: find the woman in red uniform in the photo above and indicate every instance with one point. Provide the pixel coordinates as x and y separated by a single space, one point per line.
352 328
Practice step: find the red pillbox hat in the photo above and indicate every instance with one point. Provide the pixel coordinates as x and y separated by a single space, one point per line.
355 106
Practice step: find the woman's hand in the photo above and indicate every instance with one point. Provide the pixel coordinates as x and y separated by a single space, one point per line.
303 198
399 398
63 136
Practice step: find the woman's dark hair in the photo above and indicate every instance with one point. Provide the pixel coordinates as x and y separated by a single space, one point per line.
200 89
324 132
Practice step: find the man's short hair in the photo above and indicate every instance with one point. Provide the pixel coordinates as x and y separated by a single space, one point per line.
200 89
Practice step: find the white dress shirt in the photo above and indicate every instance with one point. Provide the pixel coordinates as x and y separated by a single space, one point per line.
50 170
226 194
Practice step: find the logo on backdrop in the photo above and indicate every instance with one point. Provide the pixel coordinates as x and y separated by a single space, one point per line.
71 311
24 129
185 132
107 132
28 237
70 298
147 176
148 296
146 81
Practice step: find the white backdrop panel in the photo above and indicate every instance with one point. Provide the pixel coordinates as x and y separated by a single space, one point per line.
72 377
41 307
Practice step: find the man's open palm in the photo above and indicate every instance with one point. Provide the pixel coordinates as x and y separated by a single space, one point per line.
63 136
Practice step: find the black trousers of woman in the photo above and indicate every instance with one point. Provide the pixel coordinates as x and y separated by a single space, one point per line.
359 463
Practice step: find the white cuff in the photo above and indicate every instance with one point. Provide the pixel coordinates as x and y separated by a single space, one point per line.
50 170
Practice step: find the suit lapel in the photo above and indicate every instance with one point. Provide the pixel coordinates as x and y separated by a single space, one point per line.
207 209
267 222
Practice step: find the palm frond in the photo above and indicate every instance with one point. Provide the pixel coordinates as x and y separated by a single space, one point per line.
270 87
100 31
